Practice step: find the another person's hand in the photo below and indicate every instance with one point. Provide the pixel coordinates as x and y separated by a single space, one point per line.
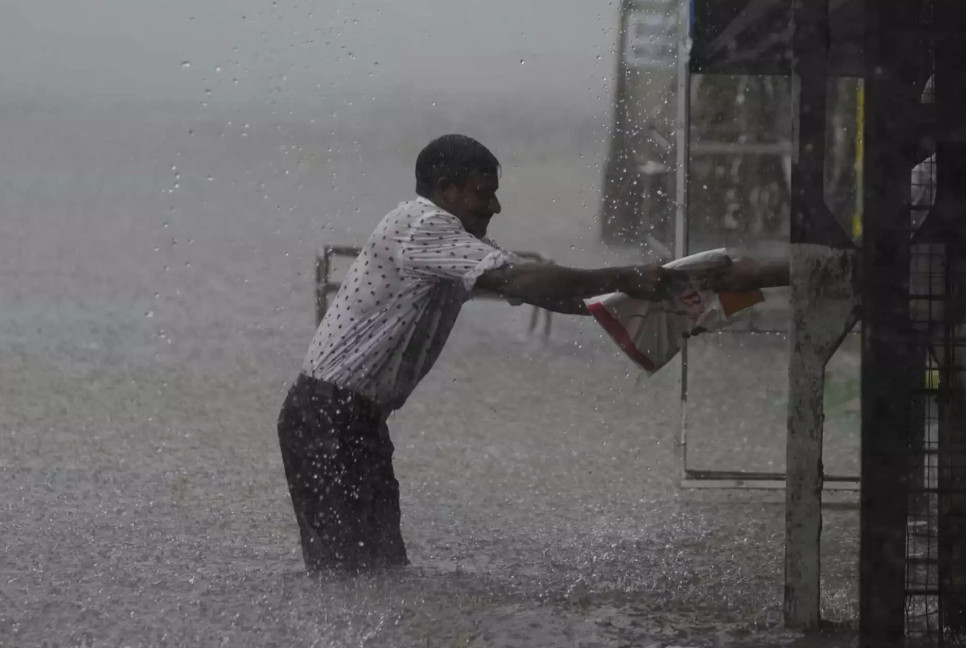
746 275
653 283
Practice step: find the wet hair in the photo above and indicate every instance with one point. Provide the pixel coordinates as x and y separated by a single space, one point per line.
453 157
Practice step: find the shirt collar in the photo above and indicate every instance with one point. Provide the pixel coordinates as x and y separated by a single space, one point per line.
426 202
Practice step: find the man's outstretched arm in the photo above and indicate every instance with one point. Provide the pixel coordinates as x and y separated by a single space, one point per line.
552 285
573 306
744 275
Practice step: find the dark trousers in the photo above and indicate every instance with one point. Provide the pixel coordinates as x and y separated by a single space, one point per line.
338 462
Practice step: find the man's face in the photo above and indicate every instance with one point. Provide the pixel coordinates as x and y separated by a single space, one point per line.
474 202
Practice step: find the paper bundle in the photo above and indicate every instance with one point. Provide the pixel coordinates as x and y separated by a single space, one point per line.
651 333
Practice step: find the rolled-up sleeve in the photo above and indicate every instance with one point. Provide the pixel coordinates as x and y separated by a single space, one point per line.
438 247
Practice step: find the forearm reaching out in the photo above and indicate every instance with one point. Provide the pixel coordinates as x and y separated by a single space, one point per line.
535 283
570 306
746 275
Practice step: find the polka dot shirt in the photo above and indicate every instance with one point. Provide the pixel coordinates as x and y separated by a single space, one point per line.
398 303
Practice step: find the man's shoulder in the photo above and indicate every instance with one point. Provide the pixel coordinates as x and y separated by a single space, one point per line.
403 224
411 210
418 213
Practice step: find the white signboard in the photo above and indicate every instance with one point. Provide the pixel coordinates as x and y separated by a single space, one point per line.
651 29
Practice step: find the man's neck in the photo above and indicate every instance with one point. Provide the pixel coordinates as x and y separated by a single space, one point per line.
468 226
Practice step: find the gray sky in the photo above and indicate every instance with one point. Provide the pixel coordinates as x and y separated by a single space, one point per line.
304 50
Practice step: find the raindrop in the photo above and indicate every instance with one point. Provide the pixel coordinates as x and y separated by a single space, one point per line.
186 64
523 62
149 314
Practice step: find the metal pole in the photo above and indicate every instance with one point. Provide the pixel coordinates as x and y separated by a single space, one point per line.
682 150
321 285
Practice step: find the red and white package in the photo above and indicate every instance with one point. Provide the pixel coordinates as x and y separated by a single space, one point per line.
651 333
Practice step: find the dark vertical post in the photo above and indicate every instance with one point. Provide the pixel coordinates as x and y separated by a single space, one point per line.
812 222
950 70
321 285
887 358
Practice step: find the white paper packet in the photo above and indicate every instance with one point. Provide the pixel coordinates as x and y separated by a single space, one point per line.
651 333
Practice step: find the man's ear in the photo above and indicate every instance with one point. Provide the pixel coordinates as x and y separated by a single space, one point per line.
442 184
444 188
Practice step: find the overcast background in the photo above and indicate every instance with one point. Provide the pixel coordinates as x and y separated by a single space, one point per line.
306 51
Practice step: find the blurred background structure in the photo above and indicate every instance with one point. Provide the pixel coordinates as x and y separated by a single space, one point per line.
834 127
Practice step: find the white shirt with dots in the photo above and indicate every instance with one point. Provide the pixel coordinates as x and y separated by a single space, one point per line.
398 303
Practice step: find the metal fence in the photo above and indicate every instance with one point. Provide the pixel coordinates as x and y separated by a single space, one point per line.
913 590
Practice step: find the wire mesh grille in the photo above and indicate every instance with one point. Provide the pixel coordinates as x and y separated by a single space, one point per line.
936 526
935 589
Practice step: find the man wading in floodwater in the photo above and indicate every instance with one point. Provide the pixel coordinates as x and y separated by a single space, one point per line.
383 332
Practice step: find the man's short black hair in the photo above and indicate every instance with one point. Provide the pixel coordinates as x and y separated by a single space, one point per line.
453 157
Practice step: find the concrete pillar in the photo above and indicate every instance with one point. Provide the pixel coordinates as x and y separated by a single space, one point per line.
824 309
